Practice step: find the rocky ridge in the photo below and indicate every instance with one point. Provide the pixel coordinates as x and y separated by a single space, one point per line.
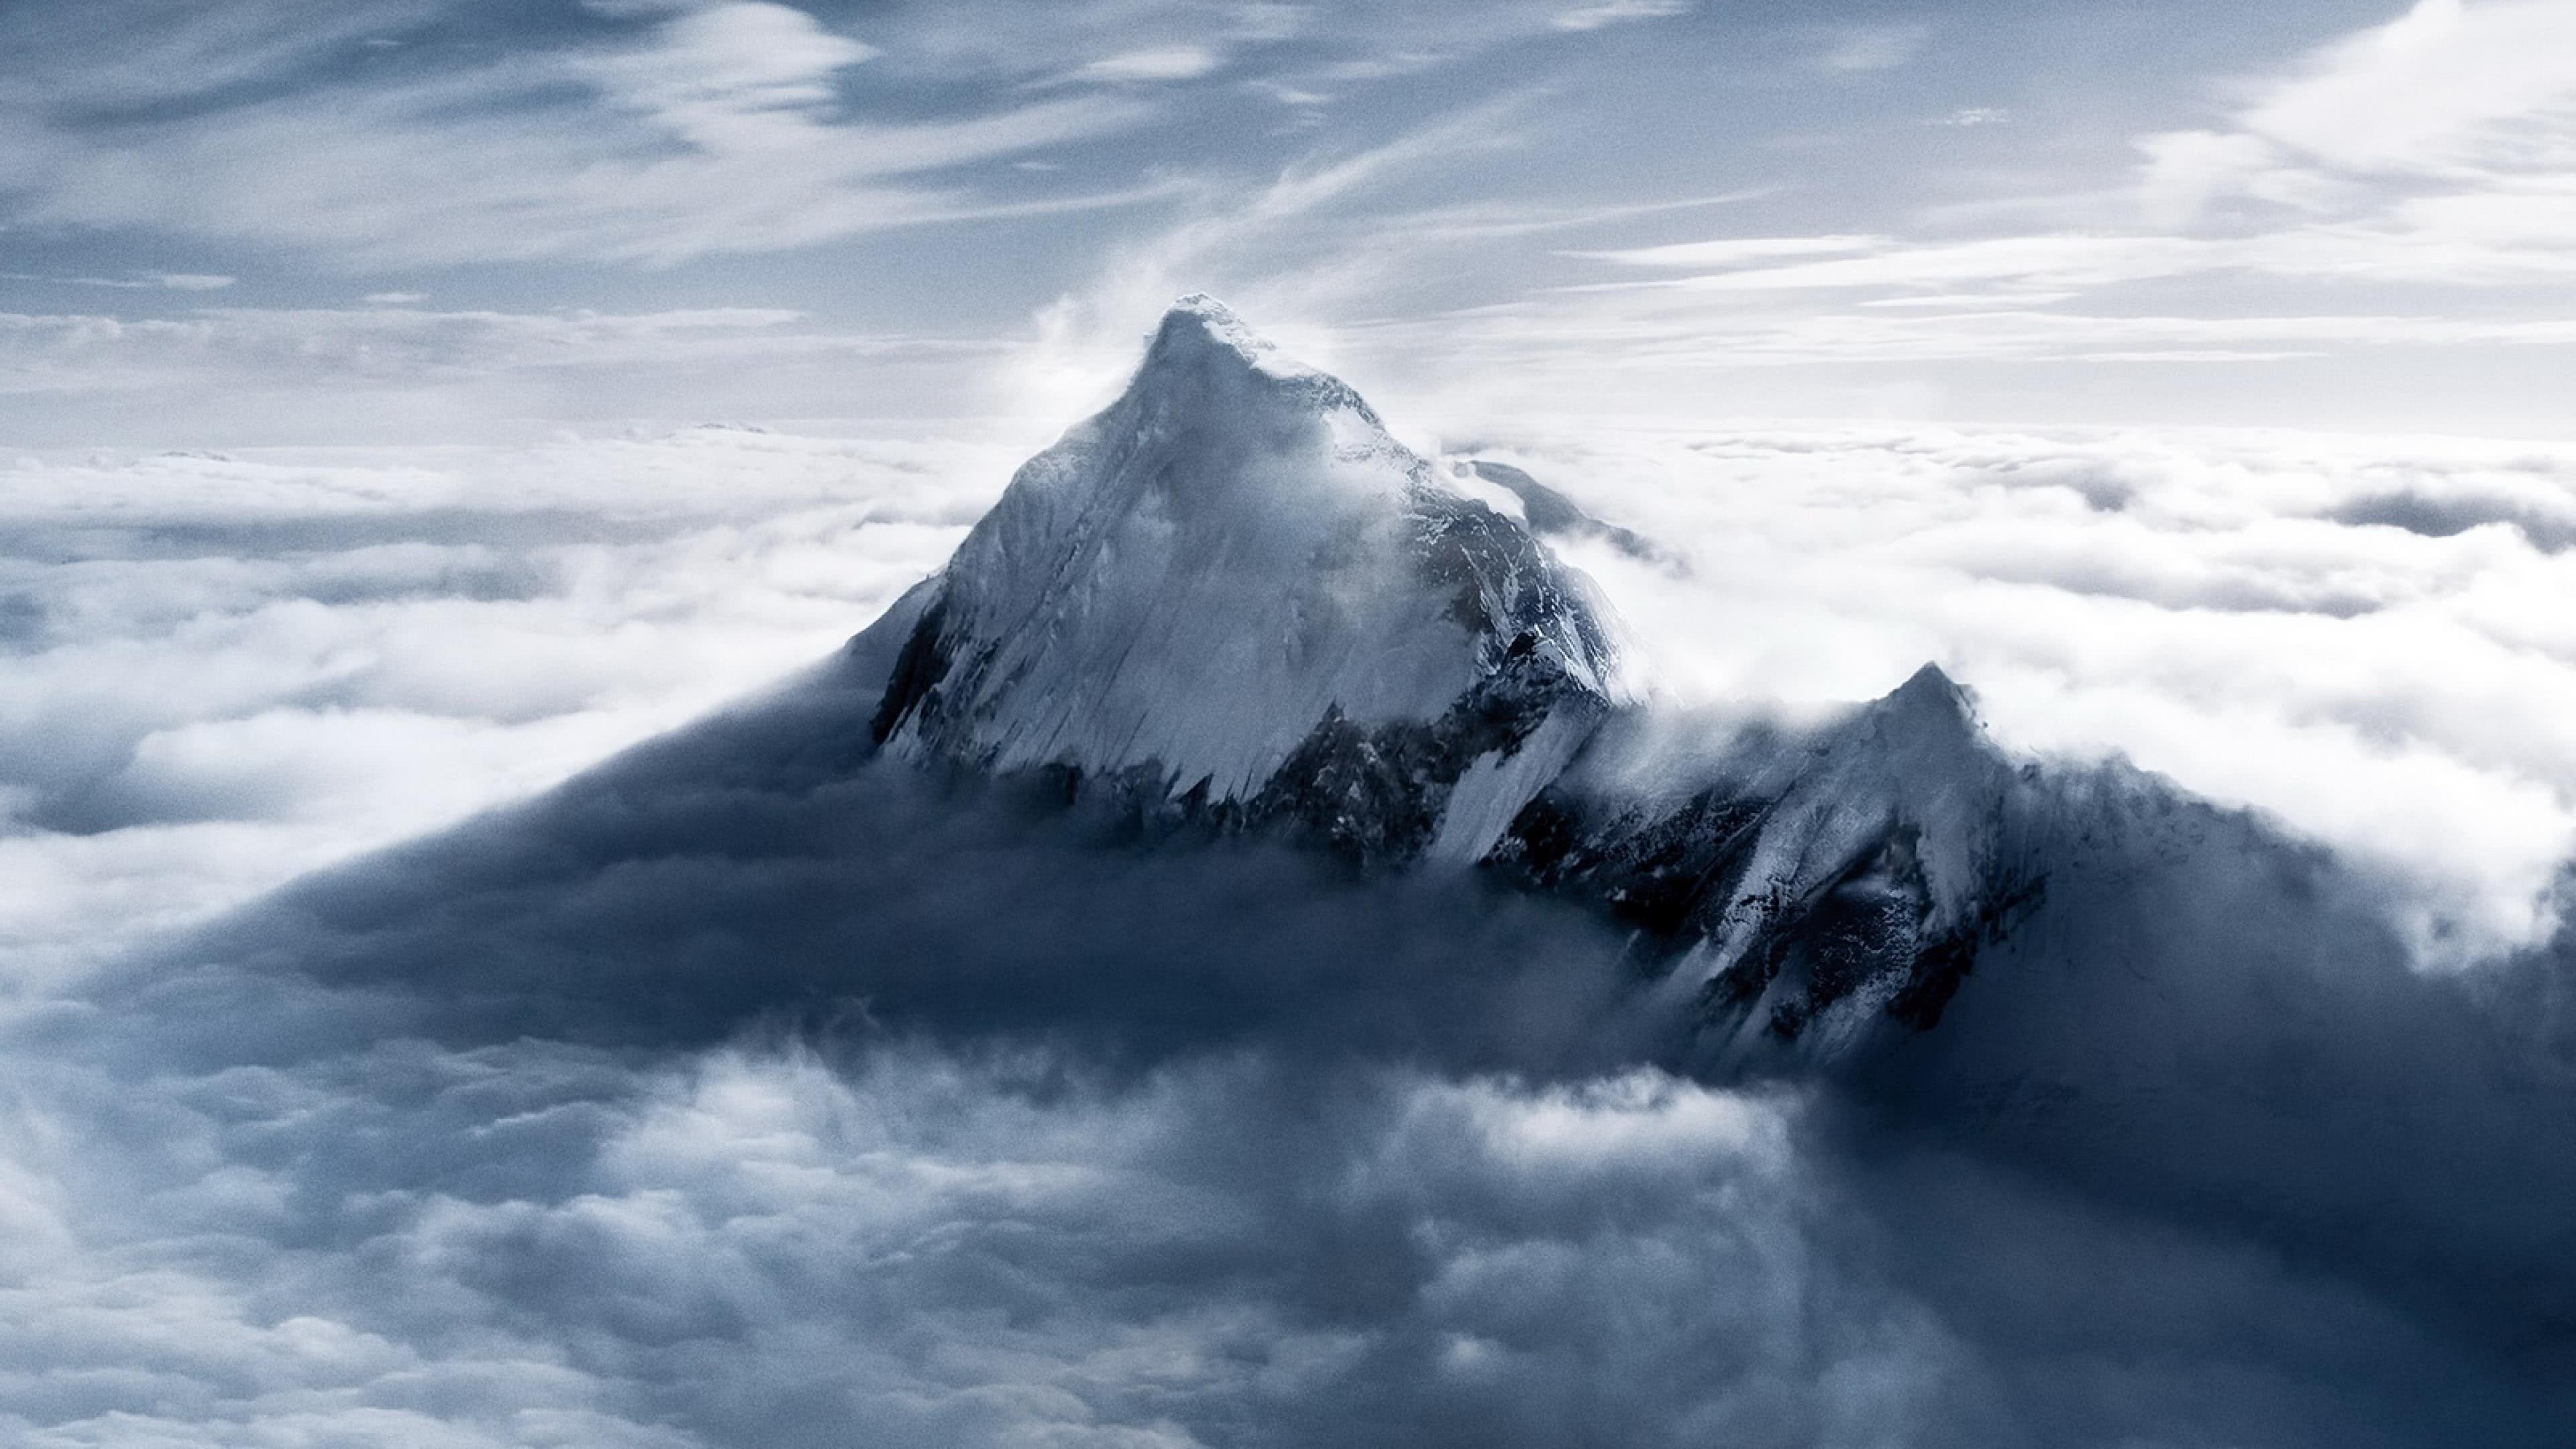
1233 599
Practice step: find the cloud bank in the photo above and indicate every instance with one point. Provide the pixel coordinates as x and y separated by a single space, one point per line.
739 1094
2358 637
213 659
742 1093
2353 635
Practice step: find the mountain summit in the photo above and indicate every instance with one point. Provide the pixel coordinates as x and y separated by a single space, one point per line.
1233 598
1233 590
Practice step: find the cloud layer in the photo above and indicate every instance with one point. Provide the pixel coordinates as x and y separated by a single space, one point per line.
1040 1220
737 1095
734 1096
2358 637
743 1095
214 660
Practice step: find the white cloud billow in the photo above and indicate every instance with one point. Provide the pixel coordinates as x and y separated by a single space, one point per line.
2356 637
2454 93
2364 639
183 732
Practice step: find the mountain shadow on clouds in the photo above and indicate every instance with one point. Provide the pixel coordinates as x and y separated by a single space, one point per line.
763 869
1235 730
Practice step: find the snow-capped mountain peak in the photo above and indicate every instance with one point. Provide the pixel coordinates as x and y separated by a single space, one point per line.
1233 597
1234 565
1200 324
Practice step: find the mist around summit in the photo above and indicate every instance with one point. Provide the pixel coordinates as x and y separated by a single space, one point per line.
1044 1019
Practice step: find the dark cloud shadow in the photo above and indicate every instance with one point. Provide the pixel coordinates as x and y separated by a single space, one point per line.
2443 517
764 866
2216 1027
777 1091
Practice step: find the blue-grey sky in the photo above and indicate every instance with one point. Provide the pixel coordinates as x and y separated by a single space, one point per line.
291 220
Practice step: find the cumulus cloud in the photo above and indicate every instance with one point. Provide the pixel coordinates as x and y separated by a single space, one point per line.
2356 637
759 1245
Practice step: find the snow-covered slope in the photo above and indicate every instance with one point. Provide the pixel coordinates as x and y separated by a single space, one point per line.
1232 569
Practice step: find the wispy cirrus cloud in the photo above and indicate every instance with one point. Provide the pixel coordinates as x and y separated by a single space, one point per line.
2280 234
1246 149
1593 17
154 281
392 369
1874 48
708 129
385 136
2429 152
1165 63
2057 260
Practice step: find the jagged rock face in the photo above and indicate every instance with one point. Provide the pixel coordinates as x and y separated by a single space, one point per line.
1233 592
1795 885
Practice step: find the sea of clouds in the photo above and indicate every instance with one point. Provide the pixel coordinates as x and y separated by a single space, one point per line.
225 670
689 1109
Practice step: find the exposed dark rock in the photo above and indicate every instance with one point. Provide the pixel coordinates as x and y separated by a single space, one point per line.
917 672
1376 794
1553 515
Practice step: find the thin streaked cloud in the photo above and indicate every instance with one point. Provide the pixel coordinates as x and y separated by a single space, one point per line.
1684 188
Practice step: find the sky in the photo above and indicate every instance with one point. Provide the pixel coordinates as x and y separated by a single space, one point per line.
275 222
407 407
